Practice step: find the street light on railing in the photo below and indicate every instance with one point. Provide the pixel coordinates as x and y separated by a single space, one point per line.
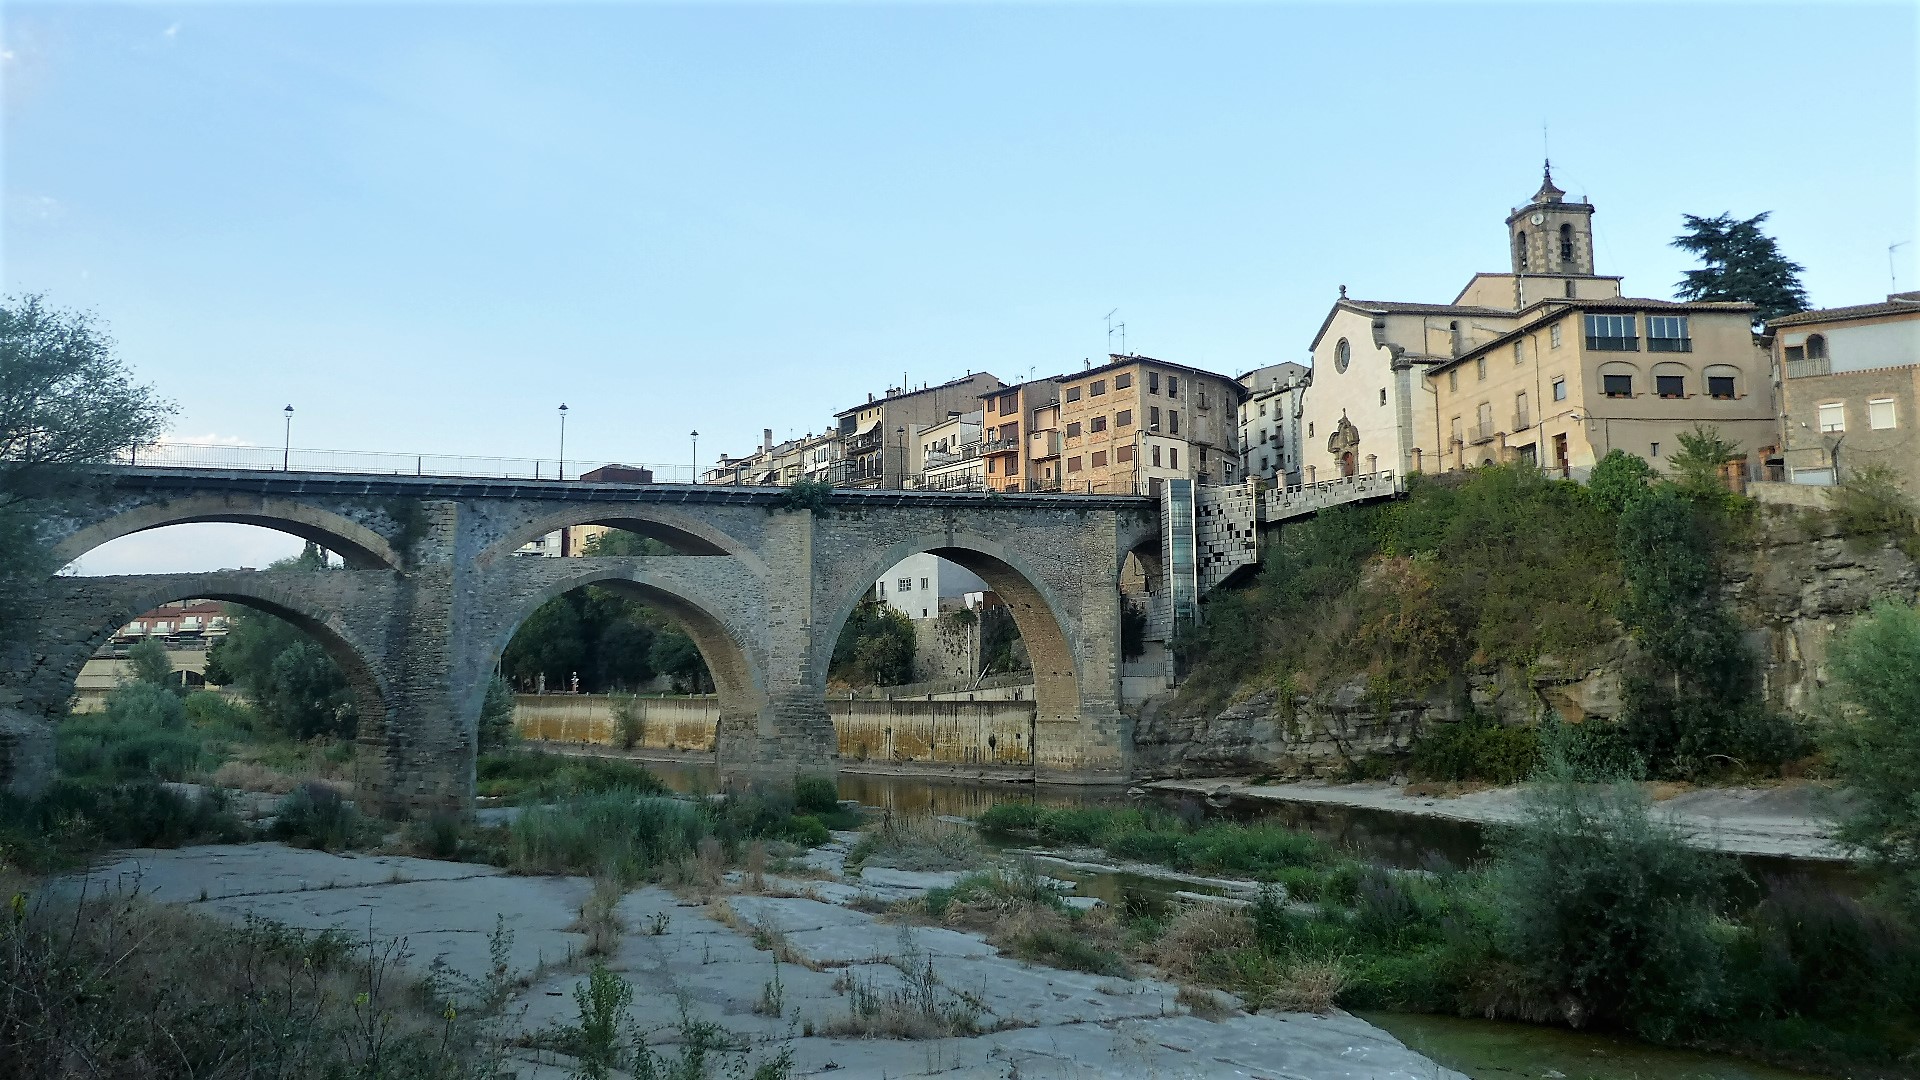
563 440
286 446
696 455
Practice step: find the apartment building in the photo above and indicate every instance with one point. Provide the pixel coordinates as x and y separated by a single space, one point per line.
1577 379
1850 390
878 438
1136 421
1009 443
1270 430
949 455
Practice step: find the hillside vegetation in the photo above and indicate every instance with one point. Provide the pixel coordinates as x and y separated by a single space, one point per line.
1503 567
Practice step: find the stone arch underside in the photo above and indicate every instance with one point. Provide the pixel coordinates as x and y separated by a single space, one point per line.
132 596
357 545
738 676
1039 615
685 534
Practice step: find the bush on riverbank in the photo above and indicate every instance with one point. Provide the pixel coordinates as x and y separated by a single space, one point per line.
1591 914
534 776
116 985
1257 851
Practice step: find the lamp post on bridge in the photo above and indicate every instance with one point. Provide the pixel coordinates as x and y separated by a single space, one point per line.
696 456
286 447
563 440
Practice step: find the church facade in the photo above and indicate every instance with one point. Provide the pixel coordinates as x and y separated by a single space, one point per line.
1543 362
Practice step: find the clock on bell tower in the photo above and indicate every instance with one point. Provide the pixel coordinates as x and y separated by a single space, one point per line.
1550 236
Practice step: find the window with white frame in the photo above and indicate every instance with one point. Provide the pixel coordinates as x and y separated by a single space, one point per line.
1880 414
1559 389
1833 416
1612 333
905 584
1668 333
1553 335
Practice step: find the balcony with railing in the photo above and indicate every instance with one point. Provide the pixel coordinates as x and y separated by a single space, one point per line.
1482 433
953 455
1803 369
1521 421
995 443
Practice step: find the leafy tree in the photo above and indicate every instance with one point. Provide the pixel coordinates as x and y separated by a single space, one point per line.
496 715
1001 650
1703 453
1874 737
1742 264
876 646
291 680
151 664
1694 698
65 400
616 542
1608 912
1872 501
1618 479
552 642
675 655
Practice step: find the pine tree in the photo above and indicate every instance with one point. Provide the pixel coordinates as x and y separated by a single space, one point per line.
1743 265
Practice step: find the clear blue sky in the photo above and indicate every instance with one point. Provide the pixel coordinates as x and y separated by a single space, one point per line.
426 226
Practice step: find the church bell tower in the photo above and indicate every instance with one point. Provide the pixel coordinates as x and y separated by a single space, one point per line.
1550 237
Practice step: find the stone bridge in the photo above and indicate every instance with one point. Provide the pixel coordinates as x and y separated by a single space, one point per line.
431 593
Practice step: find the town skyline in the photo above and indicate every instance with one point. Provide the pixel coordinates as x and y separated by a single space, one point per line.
731 219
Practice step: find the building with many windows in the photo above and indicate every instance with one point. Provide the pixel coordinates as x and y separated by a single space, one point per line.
948 458
1270 430
1134 422
878 438
1850 390
1013 446
1546 361
1576 379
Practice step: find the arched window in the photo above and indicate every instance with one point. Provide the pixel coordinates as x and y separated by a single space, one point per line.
1817 347
1520 250
1566 243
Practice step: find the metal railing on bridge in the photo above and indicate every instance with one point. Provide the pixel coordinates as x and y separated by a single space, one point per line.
185 455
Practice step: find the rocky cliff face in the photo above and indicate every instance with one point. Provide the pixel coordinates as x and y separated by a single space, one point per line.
1798 583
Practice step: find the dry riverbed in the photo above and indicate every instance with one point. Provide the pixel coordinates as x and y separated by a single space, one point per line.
780 964
1790 820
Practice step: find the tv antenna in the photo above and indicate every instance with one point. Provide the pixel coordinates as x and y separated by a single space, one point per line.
1110 315
1893 277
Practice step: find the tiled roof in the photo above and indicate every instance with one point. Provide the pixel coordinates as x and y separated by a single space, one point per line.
899 394
1896 304
1395 307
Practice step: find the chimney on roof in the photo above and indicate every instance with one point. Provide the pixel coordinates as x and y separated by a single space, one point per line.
869 397
766 439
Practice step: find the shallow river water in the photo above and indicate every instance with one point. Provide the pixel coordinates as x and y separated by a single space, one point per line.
1480 1048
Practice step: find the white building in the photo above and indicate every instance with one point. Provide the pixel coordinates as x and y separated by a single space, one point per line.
916 584
948 455
1270 424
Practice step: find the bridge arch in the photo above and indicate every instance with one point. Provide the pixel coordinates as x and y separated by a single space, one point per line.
1038 612
357 545
684 533
739 676
131 597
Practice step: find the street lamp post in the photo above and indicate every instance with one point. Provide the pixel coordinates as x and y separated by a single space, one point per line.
696 456
563 440
286 447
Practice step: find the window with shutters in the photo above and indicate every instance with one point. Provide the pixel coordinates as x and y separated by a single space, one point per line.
1880 414
1833 416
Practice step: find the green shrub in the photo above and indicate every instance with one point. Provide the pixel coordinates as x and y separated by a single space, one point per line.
216 712
1875 742
816 795
536 776
314 815
1872 502
1608 913
147 704
1066 949
106 746
1478 748
73 818
151 664
1158 837
624 834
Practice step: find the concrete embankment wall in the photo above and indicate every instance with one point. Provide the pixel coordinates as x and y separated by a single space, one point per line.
876 733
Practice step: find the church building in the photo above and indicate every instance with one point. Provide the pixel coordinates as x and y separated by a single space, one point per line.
1527 364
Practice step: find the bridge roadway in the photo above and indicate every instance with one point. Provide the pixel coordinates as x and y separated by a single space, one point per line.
431 593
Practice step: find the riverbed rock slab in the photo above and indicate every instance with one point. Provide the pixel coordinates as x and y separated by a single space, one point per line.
444 911
915 881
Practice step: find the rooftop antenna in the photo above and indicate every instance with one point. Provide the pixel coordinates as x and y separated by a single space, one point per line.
1110 329
1893 278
